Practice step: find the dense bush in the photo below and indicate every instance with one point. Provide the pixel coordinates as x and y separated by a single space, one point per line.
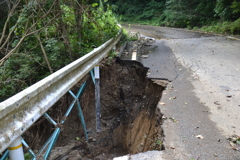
223 27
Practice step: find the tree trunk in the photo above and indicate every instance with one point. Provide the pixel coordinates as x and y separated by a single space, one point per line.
63 32
78 10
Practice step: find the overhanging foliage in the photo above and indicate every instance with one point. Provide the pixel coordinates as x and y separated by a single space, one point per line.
39 37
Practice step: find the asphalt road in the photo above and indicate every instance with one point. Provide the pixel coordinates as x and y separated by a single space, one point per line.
201 105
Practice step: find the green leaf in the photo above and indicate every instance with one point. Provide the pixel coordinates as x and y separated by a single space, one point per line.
27 156
159 142
94 4
235 6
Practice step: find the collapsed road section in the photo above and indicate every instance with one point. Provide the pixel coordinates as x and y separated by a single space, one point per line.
201 104
131 122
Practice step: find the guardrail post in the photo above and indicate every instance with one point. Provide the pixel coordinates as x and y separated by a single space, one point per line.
97 98
16 150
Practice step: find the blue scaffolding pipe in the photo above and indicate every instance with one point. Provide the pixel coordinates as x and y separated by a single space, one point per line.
80 114
28 148
69 109
58 130
92 75
52 143
49 144
50 119
79 109
45 145
75 99
5 155
80 92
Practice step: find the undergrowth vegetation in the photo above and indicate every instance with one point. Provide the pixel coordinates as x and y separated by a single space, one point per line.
226 27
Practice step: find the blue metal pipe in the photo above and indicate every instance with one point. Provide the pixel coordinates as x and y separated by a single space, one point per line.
80 114
80 91
45 145
52 143
50 119
55 135
69 110
53 138
75 98
83 86
92 75
5 155
28 148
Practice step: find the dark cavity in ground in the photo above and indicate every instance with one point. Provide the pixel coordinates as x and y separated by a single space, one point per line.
131 121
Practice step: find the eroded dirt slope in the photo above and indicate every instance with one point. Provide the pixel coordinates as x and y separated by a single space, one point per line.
131 122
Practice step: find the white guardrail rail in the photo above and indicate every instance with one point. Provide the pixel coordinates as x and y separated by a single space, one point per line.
19 112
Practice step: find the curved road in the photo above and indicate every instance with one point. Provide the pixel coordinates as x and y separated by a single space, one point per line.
201 105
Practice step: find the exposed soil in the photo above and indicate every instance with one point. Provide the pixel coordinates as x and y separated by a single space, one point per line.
131 122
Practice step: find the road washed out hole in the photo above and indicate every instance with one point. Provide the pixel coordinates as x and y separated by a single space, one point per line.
131 121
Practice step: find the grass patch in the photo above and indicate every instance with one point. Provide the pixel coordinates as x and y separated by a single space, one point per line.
232 28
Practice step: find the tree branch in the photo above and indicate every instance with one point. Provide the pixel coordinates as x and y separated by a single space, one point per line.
22 39
7 21
44 53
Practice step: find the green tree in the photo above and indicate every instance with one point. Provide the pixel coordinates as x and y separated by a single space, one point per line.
227 9
39 37
186 13
236 6
134 10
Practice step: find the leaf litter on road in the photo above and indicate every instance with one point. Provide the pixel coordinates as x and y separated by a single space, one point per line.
199 136
173 119
234 142
162 103
217 103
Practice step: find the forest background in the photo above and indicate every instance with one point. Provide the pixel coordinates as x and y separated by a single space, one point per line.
219 16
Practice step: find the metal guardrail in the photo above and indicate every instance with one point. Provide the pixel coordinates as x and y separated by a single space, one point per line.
19 112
